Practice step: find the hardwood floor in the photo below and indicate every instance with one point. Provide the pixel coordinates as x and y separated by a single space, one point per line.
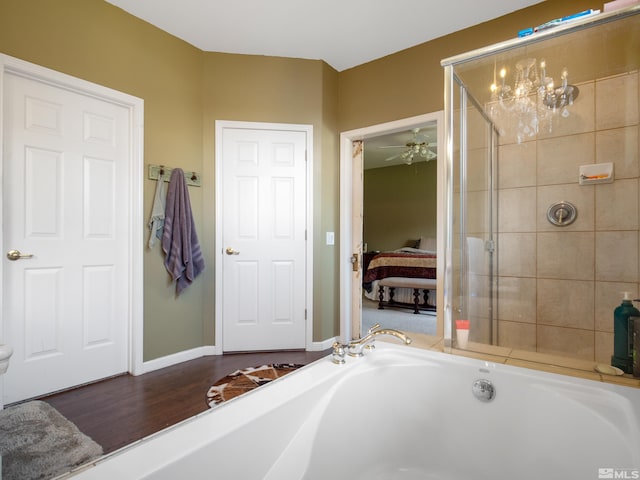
121 410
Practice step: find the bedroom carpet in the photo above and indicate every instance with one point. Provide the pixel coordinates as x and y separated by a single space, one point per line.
246 379
37 442
402 319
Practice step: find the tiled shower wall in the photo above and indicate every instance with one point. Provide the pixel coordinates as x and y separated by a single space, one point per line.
558 286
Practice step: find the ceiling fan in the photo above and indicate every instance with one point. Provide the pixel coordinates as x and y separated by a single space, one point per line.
416 147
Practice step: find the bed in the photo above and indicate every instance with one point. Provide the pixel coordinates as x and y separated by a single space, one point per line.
402 278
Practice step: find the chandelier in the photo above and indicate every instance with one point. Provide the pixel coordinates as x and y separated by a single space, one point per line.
534 100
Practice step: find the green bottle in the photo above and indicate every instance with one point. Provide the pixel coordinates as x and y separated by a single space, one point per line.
623 334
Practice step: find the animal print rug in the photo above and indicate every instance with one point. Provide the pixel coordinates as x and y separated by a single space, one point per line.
246 379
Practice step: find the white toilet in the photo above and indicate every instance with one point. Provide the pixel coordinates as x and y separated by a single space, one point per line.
5 353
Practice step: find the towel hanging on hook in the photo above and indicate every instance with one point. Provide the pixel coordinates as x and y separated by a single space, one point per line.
184 260
156 222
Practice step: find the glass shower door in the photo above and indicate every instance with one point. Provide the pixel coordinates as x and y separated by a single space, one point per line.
473 202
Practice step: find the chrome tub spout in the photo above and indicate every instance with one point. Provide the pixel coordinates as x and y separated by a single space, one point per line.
356 347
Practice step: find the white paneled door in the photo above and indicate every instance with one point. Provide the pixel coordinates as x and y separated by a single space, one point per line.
263 209
66 192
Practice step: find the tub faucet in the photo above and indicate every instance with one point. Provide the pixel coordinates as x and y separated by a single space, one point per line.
355 347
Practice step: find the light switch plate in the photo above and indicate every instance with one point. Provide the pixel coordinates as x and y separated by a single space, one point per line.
331 238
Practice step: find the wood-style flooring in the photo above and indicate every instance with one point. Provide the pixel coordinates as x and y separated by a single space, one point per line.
121 410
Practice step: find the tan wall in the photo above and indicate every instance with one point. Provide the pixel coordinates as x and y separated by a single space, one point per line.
399 205
97 42
411 82
269 89
185 90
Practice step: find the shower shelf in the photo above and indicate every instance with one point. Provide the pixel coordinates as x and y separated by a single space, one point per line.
596 173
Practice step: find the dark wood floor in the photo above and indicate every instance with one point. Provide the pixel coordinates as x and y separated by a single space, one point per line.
120 410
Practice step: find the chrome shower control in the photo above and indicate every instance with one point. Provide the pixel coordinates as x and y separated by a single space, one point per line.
562 214
483 390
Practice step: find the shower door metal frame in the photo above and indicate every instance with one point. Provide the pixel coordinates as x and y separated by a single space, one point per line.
490 244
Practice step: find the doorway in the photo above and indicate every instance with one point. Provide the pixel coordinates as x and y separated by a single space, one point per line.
351 216
263 246
71 207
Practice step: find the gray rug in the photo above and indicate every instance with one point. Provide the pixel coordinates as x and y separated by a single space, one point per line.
37 442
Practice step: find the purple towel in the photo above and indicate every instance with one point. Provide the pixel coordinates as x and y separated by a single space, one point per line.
184 260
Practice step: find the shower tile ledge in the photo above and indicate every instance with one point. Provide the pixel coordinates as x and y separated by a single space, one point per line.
526 359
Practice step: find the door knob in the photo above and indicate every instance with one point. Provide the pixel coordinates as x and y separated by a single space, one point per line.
231 251
354 262
16 255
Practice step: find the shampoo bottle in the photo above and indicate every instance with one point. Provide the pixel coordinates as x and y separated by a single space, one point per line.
623 334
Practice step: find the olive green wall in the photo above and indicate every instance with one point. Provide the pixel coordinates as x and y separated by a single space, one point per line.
399 205
185 90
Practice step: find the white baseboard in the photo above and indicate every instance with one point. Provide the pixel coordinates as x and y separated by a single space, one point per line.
178 357
323 345
194 353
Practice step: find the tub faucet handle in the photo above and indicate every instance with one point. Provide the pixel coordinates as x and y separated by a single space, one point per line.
338 354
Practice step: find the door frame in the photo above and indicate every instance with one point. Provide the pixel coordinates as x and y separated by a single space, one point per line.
135 107
347 179
220 125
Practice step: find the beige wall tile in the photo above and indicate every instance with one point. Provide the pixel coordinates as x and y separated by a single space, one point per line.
517 301
559 158
517 254
603 347
476 129
558 287
617 256
568 342
619 146
617 101
617 205
477 168
477 212
517 210
517 165
517 335
479 329
566 303
566 255
582 197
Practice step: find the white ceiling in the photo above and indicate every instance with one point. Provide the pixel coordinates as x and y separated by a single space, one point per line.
343 33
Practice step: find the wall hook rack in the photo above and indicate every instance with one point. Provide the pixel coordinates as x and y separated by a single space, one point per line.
192 178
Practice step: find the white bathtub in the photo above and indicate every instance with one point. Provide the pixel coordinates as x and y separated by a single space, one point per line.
399 413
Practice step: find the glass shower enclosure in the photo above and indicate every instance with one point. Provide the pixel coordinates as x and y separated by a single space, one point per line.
542 181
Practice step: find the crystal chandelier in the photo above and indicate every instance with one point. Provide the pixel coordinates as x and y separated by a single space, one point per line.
534 100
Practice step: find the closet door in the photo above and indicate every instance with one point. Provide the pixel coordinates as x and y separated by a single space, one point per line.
66 197
264 205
